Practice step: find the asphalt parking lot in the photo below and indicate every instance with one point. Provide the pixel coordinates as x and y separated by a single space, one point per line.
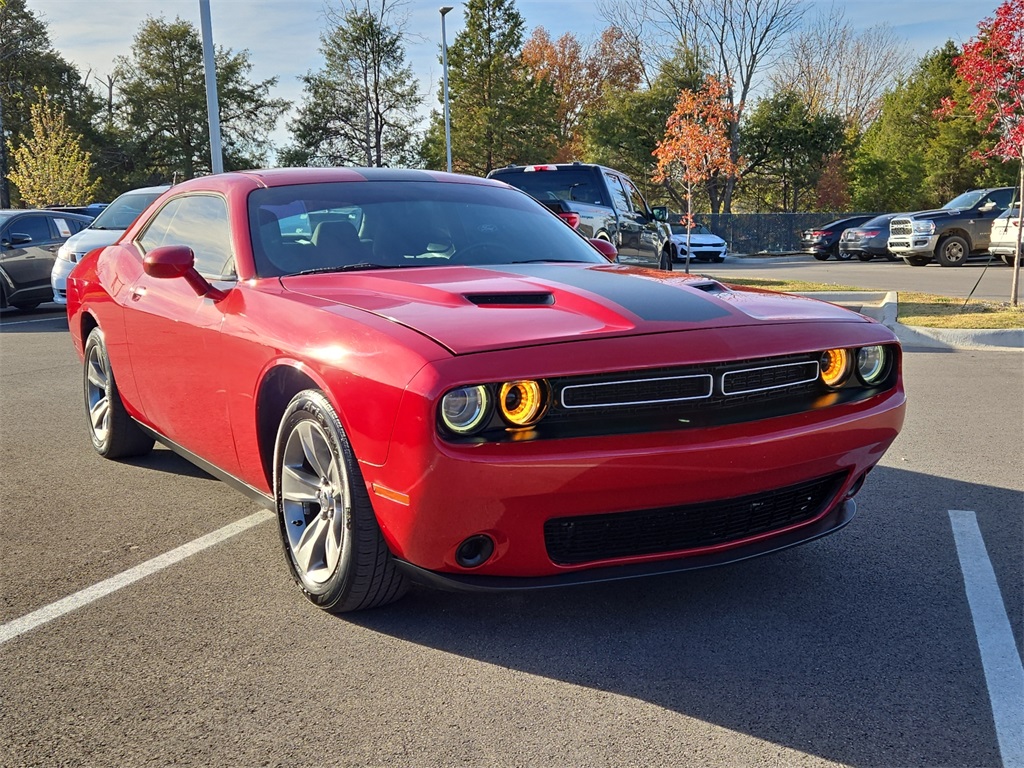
895 642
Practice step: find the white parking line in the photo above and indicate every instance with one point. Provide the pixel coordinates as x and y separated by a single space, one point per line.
12 629
1004 673
40 320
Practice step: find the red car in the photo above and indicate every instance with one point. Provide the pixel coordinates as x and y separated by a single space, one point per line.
430 377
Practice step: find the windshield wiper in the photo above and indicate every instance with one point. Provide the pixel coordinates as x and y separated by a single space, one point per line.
348 268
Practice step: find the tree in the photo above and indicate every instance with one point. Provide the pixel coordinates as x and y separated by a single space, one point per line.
29 63
162 104
738 38
624 132
500 113
696 146
579 76
786 145
360 108
839 70
992 66
49 166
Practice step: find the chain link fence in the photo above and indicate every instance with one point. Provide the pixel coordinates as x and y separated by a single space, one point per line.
765 232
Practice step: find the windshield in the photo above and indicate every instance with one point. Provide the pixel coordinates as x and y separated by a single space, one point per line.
387 224
696 229
966 200
122 212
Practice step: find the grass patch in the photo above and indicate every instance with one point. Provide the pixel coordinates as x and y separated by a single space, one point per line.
921 309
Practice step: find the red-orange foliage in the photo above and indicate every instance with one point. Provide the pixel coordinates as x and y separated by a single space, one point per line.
696 146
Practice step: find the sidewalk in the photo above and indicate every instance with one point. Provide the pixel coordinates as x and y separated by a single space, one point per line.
883 307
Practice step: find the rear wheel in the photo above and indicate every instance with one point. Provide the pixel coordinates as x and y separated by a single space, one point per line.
953 251
666 261
333 544
821 256
114 433
842 255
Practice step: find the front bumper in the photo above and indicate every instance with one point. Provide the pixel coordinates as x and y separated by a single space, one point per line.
913 245
59 280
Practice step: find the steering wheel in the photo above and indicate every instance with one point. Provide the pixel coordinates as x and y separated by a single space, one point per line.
487 252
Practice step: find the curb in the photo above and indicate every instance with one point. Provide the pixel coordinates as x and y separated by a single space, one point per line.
883 308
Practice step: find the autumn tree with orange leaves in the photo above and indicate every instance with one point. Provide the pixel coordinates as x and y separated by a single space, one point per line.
696 146
992 66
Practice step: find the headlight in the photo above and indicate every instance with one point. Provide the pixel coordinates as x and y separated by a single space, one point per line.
465 409
522 403
64 253
835 367
872 364
924 227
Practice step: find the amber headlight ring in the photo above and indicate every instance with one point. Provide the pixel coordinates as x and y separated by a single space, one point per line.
835 367
523 403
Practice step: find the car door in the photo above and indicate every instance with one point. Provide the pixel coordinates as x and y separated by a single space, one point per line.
651 234
28 248
629 239
988 208
174 335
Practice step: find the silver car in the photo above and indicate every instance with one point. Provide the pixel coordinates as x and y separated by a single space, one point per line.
104 230
1003 240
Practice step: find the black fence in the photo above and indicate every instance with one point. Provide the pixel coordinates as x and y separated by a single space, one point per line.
765 232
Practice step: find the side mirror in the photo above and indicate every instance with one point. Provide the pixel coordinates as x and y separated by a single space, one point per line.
988 206
606 249
660 213
19 239
169 261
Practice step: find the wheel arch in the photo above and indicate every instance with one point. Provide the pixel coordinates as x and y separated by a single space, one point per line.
957 232
276 389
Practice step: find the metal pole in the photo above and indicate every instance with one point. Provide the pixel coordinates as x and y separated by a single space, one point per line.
444 68
212 107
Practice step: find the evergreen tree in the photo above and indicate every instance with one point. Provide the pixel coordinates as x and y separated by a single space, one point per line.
162 100
500 113
360 108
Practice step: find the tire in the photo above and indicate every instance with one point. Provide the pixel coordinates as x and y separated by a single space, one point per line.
666 261
865 256
114 433
1009 259
718 259
842 255
821 256
953 251
332 543
25 306
890 257
917 261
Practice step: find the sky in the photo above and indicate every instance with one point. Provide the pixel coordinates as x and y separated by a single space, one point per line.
283 36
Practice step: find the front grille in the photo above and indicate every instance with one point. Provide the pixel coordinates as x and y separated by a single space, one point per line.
901 227
575 540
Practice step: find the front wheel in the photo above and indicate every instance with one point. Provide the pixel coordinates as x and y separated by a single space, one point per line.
953 251
334 547
666 261
114 433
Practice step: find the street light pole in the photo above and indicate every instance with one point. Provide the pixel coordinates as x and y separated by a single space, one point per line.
212 106
444 67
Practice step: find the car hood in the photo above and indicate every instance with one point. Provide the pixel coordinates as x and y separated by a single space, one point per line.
937 212
474 309
88 239
699 240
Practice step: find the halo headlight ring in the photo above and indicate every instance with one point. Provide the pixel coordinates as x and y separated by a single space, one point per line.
835 366
465 410
523 403
873 364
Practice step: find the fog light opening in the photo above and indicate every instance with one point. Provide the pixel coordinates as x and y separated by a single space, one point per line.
857 485
474 551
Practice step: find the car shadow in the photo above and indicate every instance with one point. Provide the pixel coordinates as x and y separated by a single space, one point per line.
858 648
163 459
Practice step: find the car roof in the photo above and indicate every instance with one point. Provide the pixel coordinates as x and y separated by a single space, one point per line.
9 212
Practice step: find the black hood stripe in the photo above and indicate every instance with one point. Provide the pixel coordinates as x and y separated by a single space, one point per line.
650 300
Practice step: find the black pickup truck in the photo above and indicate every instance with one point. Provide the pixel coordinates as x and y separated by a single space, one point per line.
601 203
951 233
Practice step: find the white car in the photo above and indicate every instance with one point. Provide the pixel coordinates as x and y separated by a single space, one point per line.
704 245
1003 239
104 230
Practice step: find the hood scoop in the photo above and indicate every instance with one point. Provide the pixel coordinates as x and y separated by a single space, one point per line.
531 299
709 286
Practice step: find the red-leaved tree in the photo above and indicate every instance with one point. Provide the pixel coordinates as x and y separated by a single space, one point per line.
696 145
992 66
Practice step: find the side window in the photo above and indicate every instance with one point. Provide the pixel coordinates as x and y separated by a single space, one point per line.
201 223
36 227
620 200
639 204
1002 197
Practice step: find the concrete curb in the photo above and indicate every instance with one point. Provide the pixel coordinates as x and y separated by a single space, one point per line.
884 308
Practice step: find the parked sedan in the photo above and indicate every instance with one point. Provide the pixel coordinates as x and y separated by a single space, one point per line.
868 240
29 240
430 377
704 244
1003 240
104 230
824 241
